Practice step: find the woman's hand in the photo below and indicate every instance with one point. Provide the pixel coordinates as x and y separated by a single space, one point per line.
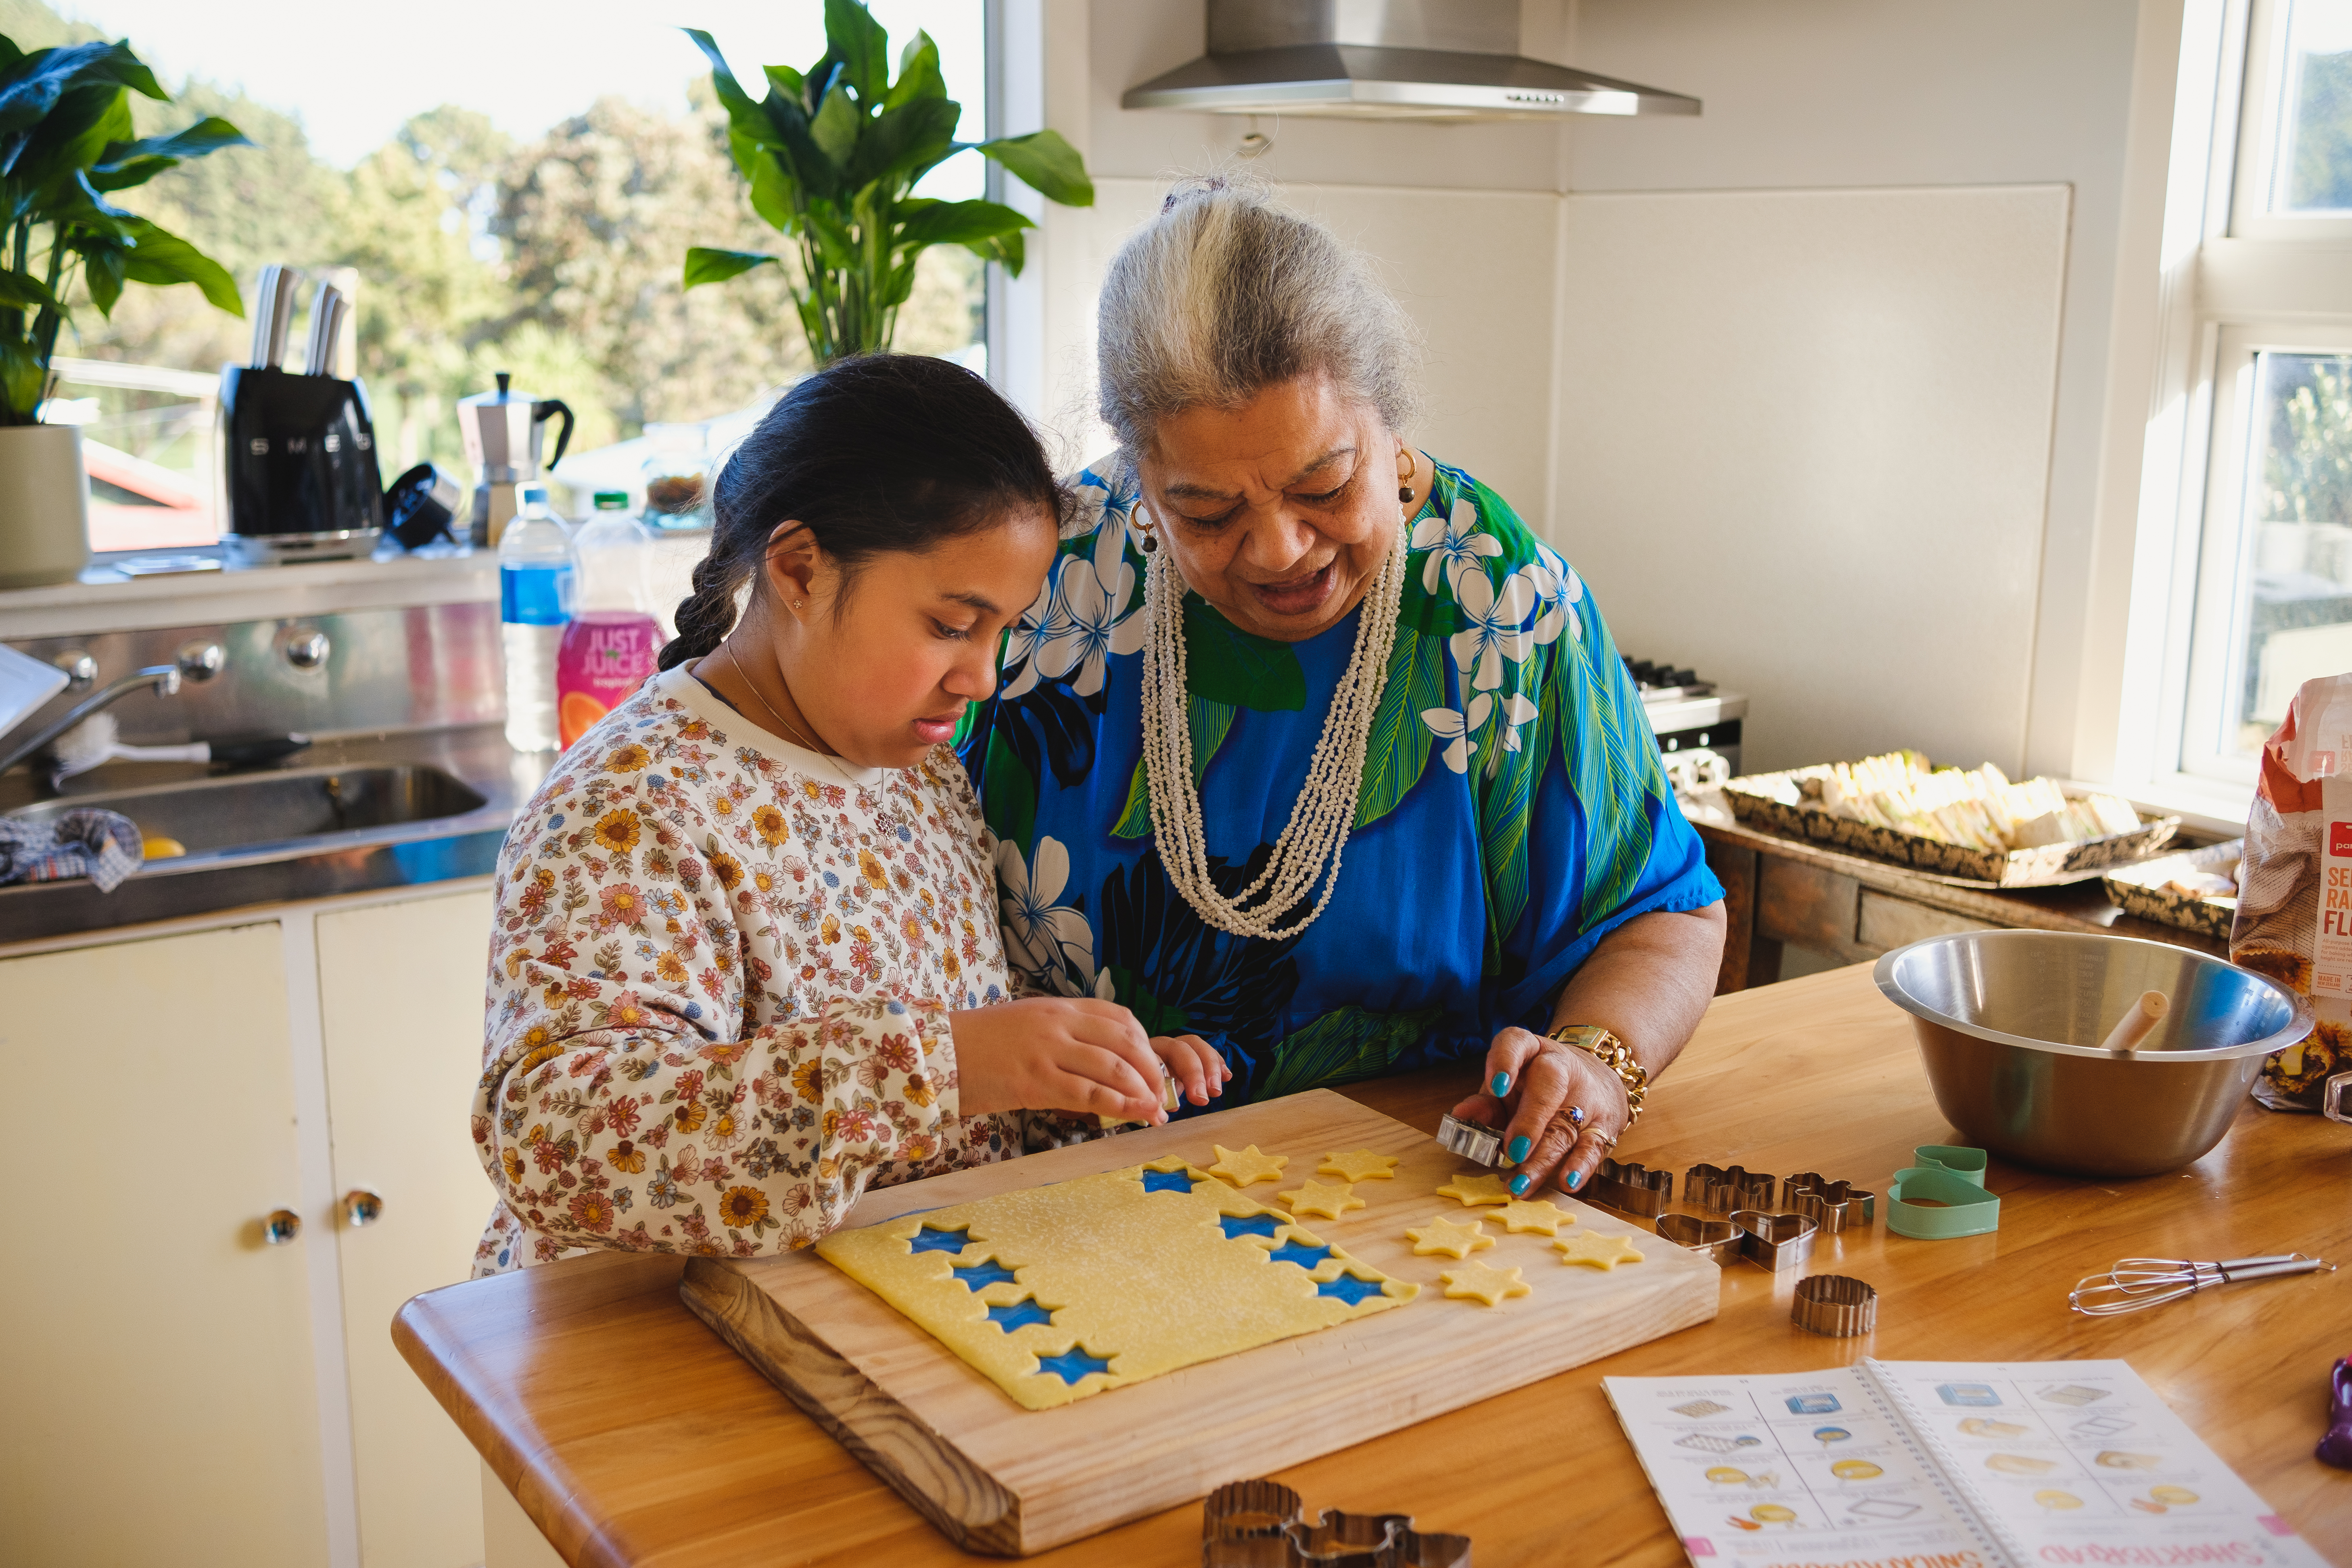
1056 1052
1195 1065
1560 1111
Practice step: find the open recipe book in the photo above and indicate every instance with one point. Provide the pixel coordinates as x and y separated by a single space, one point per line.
1914 1464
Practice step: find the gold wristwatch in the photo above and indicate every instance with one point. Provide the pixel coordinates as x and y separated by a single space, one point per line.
1613 1054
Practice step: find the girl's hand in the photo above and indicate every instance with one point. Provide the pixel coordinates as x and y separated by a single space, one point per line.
1056 1053
1561 1112
1195 1065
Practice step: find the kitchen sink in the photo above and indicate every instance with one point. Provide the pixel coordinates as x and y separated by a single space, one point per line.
238 811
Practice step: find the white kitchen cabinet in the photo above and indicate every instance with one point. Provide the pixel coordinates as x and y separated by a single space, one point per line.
399 994
156 1356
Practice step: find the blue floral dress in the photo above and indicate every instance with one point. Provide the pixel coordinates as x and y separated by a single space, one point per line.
1514 810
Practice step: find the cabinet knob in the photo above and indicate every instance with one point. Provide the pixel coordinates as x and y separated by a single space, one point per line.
361 1207
280 1227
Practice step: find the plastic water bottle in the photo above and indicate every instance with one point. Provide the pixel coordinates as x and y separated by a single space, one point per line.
535 574
608 650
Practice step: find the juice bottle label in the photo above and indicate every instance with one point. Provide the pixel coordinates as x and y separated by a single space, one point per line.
604 657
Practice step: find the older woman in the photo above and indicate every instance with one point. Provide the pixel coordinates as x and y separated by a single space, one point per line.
1310 748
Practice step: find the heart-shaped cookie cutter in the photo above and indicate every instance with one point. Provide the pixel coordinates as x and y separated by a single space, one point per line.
1777 1242
1630 1188
1934 1203
1717 1240
1720 1191
1969 1164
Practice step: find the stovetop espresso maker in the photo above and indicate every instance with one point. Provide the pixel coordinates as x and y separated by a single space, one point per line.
503 431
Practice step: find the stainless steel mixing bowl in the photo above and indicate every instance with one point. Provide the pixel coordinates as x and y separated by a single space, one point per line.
2011 1024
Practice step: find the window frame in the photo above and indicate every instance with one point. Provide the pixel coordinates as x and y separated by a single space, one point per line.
2259 133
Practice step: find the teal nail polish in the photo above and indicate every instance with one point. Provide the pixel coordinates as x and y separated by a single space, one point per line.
1519 1185
1575 1179
1519 1147
1501 1086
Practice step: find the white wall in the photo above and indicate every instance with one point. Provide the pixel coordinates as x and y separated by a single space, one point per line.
1709 540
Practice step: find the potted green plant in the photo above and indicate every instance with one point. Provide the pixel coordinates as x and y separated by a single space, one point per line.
67 145
831 155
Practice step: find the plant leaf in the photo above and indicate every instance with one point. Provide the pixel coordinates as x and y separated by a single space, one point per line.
1045 164
126 163
853 36
834 129
905 142
158 256
919 73
959 222
102 271
23 291
1005 250
33 86
785 82
772 191
704 265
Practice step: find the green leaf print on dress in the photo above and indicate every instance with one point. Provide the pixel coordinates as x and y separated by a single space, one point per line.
1345 1045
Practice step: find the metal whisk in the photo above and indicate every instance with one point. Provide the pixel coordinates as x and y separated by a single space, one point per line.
2137 1284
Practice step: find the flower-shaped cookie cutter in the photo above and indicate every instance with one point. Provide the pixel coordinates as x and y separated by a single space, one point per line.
1630 1188
1833 1205
1720 1191
1262 1524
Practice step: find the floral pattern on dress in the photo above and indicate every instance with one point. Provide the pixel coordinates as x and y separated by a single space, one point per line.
719 987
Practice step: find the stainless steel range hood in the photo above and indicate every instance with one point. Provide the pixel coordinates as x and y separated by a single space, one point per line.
1385 59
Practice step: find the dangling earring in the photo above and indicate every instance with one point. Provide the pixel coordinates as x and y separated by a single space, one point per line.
1147 534
1405 466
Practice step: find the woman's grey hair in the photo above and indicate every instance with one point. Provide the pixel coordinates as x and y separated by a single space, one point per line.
1223 294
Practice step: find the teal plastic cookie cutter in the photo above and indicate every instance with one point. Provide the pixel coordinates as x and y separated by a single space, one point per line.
1943 1196
1969 1164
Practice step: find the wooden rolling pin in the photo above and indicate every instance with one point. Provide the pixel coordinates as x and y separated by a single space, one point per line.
2137 1022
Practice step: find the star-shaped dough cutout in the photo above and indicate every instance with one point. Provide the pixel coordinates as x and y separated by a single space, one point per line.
1359 1166
1328 1199
1599 1251
1247 1166
1442 1235
1476 1190
1534 1214
1478 1282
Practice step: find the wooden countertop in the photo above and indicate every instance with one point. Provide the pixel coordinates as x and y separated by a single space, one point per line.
632 1436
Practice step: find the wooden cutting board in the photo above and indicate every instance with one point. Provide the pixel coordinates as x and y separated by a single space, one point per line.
998 1478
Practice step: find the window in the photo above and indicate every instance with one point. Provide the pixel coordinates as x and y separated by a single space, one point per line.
2272 560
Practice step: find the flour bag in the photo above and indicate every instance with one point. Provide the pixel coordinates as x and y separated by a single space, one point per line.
2295 892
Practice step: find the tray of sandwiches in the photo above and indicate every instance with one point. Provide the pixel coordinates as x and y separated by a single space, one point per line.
1971 827
2195 889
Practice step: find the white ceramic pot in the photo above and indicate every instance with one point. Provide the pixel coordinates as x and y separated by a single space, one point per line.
44 505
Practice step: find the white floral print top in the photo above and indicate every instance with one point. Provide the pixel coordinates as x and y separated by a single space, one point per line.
721 968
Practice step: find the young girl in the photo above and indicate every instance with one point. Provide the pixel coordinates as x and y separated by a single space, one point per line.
746 962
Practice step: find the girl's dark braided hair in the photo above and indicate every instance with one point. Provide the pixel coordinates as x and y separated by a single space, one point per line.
877 453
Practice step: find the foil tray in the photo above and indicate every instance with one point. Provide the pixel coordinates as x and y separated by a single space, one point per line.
2139 889
1754 804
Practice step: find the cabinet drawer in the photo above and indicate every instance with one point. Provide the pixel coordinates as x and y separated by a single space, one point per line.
1806 906
1887 923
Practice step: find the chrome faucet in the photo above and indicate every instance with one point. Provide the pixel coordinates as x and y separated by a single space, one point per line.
198 661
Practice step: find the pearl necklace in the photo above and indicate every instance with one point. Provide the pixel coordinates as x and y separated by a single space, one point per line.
1308 851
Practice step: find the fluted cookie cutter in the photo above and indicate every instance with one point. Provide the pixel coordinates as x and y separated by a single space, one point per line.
1630 1188
1720 1191
1833 1205
1471 1140
1262 1524
1717 1240
1834 1305
1778 1242
1934 1203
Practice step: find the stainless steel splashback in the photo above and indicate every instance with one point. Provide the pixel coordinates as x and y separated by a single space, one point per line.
423 667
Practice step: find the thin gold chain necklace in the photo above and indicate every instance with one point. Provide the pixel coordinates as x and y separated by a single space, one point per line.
798 734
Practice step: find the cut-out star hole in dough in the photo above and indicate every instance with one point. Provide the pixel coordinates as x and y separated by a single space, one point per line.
1237 1225
1357 1165
1248 1165
929 1240
982 1274
1476 1190
1326 1198
1072 1364
1303 1252
1167 1182
1443 1237
1348 1288
1018 1315
1478 1282
1534 1214
1598 1251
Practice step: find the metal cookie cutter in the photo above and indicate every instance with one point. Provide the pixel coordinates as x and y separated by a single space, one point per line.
1833 1205
1834 1305
1717 1240
1170 1097
1778 1242
1632 1188
1262 1524
1718 1191
1471 1140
